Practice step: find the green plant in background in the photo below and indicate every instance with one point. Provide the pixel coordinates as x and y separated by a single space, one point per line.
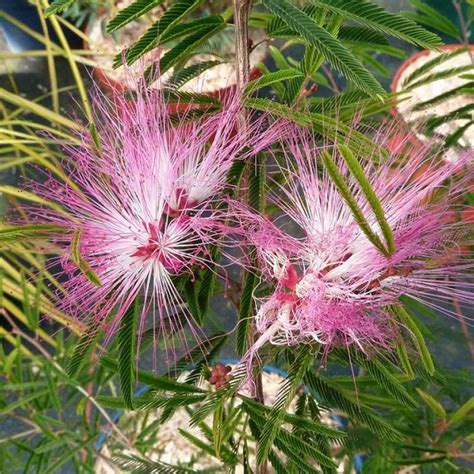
402 412
452 99
26 282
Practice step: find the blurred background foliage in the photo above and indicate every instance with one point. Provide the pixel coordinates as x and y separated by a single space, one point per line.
328 60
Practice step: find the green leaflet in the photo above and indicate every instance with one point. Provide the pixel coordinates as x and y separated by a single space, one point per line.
428 16
272 78
417 337
432 403
330 128
297 449
80 262
156 382
58 6
374 16
334 397
182 76
285 395
132 12
429 65
191 300
462 412
82 350
358 173
153 36
436 76
126 340
14 233
185 47
135 463
405 360
326 44
346 194
256 200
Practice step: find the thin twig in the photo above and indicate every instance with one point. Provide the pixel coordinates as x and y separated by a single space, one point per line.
464 326
464 27
331 79
241 17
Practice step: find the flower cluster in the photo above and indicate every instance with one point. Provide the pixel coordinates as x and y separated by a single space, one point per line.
142 206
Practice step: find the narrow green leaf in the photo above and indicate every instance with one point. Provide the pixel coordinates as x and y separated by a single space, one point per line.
10 233
82 351
217 422
387 380
432 63
285 396
180 30
139 464
207 283
463 112
184 75
467 88
405 360
191 300
462 412
417 461
246 312
346 194
358 34
331 48
202 445
330 128
278 57
126 340
187 45
153 36
453 138
358 173
296 448
377 18
272 78
436 76
95 137
415 333
434 19
331 395
131 12
432 403
58 6
80 262
25 399
302 422
157 382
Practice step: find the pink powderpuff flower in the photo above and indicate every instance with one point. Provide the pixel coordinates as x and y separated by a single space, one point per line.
330 284
141 211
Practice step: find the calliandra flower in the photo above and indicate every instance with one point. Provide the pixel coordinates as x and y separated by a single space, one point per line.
141 210
329 283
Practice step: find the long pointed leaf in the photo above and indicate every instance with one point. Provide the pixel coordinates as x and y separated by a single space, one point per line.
330 47
127 348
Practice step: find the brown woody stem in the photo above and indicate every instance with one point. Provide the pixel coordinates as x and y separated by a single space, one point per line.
241 18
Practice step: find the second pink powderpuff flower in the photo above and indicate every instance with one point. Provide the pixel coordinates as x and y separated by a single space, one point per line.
330 284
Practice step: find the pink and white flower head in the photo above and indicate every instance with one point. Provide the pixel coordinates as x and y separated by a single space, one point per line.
330 284
142 205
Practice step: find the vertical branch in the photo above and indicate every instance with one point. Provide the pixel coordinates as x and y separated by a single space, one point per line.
241 18
464 27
